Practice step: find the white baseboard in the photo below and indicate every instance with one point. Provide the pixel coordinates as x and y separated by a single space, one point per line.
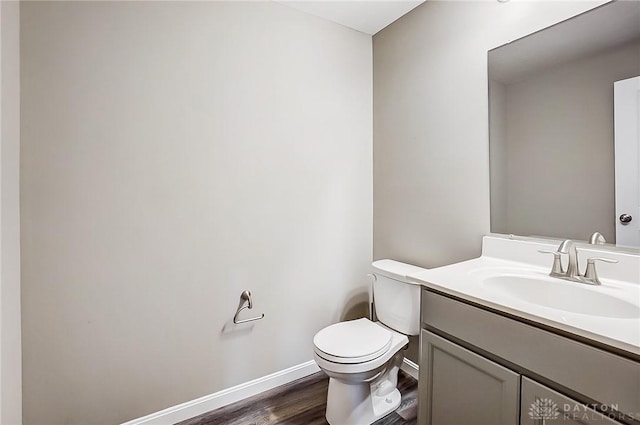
410 368
222 398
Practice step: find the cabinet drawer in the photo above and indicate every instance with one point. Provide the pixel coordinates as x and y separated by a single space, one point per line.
540 403
595 374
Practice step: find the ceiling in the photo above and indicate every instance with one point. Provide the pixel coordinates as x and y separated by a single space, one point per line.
367 16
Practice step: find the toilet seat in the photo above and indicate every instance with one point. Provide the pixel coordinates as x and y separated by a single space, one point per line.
355 341
340 365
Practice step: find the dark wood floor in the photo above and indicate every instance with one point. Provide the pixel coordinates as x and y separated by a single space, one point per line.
302 402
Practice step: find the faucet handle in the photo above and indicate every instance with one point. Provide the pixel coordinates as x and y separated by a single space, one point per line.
590 273
556 269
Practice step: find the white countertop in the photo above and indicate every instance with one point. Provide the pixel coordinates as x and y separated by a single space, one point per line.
591 310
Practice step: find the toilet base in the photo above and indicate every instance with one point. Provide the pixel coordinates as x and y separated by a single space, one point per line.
357 406
363 403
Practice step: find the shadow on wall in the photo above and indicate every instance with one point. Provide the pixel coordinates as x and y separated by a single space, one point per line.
356 306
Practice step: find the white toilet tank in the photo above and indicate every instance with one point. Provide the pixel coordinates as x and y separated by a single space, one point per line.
396 301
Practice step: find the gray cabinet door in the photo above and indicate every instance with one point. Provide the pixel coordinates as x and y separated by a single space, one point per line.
459 387
542 405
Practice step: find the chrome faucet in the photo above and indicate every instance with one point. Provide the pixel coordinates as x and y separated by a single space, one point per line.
573 269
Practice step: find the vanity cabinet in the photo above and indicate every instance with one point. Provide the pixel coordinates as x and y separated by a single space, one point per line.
465 388
479 365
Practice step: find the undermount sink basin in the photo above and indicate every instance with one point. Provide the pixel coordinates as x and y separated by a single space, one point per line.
561 295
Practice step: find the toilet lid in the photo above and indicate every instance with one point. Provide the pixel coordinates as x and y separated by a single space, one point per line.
353 341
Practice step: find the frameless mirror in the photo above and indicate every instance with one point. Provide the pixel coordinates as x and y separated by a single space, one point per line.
551 124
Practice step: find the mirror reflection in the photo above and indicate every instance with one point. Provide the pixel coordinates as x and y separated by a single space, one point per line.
551 123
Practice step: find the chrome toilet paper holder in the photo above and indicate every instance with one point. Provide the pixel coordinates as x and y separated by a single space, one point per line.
245 296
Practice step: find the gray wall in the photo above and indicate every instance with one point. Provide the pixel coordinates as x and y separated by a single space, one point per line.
173 155
431 172
431 150
10 336
561 163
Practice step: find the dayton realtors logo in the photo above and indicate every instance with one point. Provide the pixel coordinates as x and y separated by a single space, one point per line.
546 409
543 408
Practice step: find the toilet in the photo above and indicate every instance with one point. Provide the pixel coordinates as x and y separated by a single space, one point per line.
362 357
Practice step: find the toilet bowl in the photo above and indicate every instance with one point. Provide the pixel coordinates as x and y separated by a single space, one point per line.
362 357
